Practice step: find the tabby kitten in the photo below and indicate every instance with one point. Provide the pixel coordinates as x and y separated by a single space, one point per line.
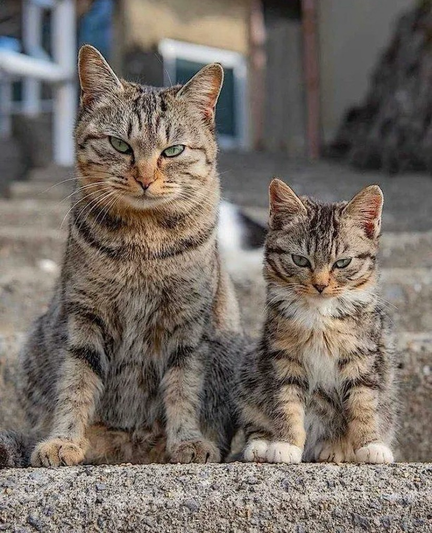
320 386
134 360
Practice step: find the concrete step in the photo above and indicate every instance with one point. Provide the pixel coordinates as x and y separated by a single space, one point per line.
414 374
26 290
24 228
28 246
33 213
40 190
231 498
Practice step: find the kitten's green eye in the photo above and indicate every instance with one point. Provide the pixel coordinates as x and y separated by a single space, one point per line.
343 263
120 145
300 261
174 151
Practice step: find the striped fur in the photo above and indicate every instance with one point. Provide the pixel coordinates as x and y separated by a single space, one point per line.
134 360
320 386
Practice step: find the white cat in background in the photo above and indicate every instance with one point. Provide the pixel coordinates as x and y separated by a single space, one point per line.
242 259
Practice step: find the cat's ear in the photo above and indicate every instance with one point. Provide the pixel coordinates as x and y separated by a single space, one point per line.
203 90
96 76
285 205
366 209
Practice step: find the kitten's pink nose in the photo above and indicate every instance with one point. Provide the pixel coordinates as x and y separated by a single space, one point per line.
320 288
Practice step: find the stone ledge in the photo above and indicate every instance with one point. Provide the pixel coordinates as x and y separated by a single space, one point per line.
214 498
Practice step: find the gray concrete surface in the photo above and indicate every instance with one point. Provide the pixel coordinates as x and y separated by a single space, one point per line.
218 498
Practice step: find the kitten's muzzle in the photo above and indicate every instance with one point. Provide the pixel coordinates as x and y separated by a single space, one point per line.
320 288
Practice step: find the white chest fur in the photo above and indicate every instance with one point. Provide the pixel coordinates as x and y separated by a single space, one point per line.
320 364
320 352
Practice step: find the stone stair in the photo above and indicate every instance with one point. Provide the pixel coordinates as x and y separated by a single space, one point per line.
227 498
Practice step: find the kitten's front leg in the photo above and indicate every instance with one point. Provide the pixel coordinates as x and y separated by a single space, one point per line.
79 387
363 426
182 386
287 429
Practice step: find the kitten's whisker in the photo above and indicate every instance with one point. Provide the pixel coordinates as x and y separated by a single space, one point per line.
386 302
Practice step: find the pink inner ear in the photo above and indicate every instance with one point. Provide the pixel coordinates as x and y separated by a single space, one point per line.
370 229
208 113
371 215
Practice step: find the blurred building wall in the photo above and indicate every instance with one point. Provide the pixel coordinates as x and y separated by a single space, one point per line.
221 23
352 35
284 108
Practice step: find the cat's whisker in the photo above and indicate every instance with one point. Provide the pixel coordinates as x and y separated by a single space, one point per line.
93 204
107 209
193 201
89 195
84 198
70 209
81 188
59 183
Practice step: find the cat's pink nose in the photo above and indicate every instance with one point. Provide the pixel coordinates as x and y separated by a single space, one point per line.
320 288
145 182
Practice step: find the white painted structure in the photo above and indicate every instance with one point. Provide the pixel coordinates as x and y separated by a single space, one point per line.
171 50
36 66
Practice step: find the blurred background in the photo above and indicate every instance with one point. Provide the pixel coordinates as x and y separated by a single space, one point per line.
304 78
328 95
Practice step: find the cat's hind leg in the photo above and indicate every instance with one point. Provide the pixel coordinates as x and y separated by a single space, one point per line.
334 451
113 446
15 449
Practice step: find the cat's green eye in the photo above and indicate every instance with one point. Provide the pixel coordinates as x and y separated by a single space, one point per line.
120 145
300 261
343 263
174 151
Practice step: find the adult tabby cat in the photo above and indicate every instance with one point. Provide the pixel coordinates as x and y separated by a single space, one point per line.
134 359
320 386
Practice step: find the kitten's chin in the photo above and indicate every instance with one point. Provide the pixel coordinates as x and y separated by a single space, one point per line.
317 298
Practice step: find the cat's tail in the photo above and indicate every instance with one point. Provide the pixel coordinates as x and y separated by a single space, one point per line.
241 241
16 449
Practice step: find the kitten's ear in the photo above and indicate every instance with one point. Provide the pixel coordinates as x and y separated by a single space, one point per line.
96 76
285 205
203 89
366 209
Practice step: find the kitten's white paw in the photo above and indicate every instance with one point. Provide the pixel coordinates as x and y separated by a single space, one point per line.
256 451
375 452
332 453
283 452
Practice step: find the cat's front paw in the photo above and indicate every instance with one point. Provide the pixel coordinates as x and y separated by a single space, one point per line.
256 451
332 452
194 451
283 452
375 453
264 451
57 452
